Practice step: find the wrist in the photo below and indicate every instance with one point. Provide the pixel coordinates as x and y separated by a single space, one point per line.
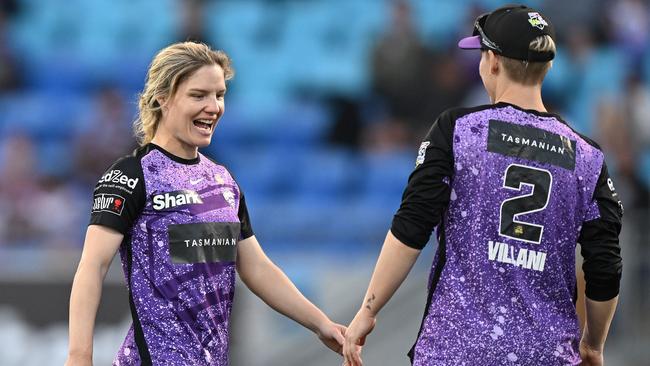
591 346
80 354
367 312
320 324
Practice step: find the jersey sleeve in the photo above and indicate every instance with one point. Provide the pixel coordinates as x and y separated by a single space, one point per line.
246 228
427 193
599 243
119 196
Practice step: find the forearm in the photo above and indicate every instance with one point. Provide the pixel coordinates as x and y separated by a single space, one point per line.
394 263
84 301
271 285
599 316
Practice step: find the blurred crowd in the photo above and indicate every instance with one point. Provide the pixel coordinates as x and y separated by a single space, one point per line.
600 83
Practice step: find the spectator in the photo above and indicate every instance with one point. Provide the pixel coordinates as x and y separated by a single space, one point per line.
192 26
9 71
18 190
108 137
401 69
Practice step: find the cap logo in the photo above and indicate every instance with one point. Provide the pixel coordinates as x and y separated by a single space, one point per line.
536 20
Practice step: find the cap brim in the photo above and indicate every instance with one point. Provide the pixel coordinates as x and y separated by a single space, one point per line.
470 43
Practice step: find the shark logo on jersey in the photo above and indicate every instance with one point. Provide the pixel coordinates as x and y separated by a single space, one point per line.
422 152
117 176
173 199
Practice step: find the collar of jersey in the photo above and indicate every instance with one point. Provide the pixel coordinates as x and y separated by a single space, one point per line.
532 111
175 158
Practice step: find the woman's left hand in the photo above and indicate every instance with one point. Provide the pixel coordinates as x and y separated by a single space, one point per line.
332 335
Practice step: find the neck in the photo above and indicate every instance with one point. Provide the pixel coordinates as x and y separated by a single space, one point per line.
523 96
175 146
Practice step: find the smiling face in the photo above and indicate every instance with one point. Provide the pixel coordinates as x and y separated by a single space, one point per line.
191 115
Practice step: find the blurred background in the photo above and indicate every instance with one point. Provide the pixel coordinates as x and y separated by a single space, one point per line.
322 125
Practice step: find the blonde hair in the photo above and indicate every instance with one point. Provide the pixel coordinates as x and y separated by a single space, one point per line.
530 73
169 68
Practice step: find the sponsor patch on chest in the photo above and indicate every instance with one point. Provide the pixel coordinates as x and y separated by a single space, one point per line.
207 242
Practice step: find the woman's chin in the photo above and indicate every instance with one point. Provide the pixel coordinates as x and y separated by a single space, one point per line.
203 142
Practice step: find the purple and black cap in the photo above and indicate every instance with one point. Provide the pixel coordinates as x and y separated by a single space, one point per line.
508 31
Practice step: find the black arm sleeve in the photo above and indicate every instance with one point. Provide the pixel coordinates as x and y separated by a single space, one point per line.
426 196
119 196
246 228
599 242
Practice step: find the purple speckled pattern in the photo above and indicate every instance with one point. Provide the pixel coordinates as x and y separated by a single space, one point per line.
183 309
487 312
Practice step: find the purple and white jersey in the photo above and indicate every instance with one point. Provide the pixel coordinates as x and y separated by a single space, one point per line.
510 193
181 221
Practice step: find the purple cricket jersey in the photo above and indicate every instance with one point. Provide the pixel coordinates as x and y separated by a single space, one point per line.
509 191
182 220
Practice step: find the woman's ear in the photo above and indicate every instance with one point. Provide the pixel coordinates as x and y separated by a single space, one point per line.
162 103
493 59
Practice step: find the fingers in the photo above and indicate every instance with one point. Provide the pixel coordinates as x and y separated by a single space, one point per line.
352 352
339 335
342 328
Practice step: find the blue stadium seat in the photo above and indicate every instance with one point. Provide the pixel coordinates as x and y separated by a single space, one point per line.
325 175
438 20
297 124
385 176
55 158
42 115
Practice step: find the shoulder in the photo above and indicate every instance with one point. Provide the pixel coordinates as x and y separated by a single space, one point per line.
220 167
131 160
456 113
125 172
589 146
446 121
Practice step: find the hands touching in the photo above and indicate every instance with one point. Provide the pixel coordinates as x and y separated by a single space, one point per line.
332 335
355 337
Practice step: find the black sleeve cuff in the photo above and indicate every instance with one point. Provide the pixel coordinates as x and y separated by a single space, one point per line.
399 230
115 224
602 291
246 234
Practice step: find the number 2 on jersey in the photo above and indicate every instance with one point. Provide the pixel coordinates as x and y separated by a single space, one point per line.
515 177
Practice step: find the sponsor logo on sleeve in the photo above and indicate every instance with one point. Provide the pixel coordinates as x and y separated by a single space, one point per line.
116 176
610 185
112 203
174 199
422 152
